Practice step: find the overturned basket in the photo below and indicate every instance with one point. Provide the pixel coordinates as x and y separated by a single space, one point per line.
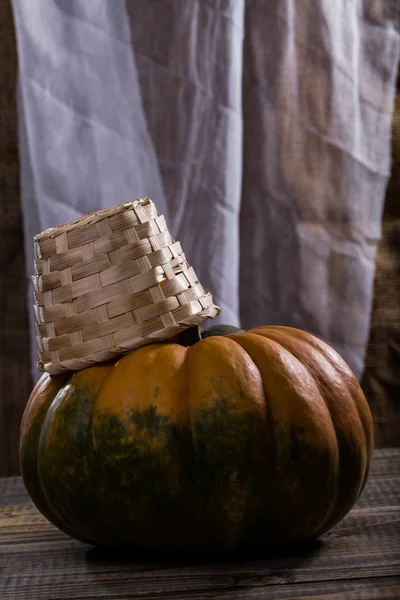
110 282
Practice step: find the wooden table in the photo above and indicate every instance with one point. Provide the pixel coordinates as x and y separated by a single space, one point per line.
358 559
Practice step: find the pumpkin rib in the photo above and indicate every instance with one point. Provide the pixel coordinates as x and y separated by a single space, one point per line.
327 353
65 445
341 368
223 366
343 499
34 483
344 372
53 515
142 406
359 402
268 421
272 435
191 416
269 400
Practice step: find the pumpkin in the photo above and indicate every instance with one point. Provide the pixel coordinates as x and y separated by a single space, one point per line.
246 441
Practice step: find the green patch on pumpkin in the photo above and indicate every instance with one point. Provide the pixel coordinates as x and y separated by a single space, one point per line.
177 485
143 481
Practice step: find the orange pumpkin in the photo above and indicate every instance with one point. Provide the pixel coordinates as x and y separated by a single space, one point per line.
250 440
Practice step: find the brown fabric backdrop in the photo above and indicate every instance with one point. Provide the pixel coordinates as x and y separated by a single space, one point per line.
15 381
381 380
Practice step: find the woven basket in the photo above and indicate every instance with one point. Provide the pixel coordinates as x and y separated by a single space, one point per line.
110 282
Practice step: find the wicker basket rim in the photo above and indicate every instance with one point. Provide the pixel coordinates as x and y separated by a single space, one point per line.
88 219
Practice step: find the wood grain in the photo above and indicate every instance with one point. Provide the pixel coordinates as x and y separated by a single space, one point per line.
359 558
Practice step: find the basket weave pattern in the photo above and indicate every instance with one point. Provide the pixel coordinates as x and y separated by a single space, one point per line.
111 282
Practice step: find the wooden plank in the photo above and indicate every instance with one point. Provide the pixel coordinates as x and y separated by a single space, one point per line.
359 558
359 590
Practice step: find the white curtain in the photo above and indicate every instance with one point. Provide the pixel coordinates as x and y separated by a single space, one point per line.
260 129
